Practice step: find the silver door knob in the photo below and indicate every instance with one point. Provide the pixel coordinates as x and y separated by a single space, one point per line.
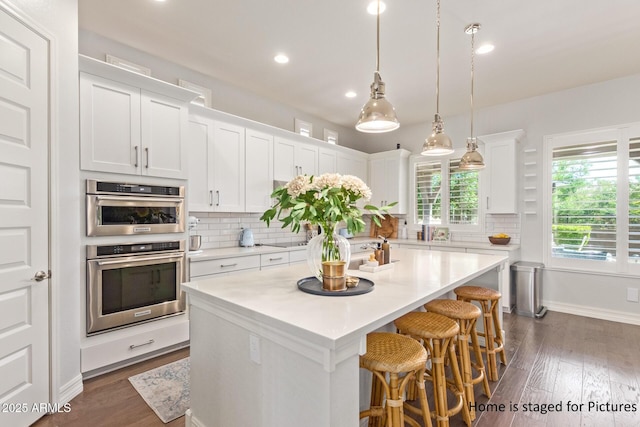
40 276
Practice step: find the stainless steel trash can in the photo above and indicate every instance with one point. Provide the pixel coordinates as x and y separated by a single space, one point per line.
526 282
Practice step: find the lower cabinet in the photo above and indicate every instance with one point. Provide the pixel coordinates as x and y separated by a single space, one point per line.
113 350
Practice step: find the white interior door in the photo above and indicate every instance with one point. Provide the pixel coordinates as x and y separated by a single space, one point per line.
24 232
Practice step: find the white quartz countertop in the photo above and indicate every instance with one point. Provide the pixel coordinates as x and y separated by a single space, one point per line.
272 298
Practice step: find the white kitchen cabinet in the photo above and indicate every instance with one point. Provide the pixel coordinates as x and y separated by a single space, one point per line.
388 176
228 167
326 160
500 179
199 270
258 170
216 166
292 158
131 124
352 163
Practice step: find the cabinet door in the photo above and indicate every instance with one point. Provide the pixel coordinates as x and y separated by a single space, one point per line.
259 171
228 167
163 130
284 159
307 159
200 173
109 126
352 165
378 177
501 174
326 161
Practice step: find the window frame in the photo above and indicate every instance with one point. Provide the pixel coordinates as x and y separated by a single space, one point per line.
445 190
622 134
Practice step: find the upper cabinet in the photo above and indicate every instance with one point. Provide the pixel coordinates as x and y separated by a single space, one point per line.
500 180
216 166
259 170
130 123
352 163
327 160
292 158
388 176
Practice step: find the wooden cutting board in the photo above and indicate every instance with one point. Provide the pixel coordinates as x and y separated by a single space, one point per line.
388 228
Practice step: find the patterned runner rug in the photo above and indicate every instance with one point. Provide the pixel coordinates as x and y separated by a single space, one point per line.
165 389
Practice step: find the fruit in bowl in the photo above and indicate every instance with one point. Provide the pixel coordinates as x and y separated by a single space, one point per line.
500 239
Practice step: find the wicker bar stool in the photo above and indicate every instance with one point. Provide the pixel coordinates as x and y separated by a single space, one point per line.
394 354
466 314
437 333
493 338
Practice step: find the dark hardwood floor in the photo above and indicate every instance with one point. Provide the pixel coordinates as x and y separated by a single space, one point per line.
575 364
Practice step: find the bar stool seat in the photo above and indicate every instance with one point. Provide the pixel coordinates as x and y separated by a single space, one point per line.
437 333
466 314
493 338
394 354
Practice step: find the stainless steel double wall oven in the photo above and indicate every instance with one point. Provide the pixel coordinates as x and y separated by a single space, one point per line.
136 280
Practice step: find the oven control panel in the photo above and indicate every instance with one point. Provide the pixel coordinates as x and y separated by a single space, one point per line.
97 251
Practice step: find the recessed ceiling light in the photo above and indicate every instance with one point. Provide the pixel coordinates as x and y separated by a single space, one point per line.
281 58
485 48
350 94
160 1
373 7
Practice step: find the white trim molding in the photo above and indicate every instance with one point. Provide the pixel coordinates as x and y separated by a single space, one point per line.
593 312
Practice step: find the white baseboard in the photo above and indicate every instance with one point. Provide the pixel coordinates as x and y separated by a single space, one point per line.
596 313
70 390
190 420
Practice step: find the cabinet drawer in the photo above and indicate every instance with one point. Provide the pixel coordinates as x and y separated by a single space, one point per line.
297 256
134 342
223 265
276 258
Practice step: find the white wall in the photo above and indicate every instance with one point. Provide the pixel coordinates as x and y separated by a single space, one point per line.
598 105
225 97
60 19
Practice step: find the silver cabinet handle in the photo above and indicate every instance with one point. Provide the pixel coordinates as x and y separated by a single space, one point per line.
218 194
146 150
132 346
210 197
228 265
275 259
487 202
136 163
41 275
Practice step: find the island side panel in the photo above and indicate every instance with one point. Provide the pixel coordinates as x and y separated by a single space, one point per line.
280 387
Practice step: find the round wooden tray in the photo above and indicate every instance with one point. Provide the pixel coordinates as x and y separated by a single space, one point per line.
312 285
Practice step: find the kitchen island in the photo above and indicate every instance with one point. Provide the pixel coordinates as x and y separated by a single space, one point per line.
265 354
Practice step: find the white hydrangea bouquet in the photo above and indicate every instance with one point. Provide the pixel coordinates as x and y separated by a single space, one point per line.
324 200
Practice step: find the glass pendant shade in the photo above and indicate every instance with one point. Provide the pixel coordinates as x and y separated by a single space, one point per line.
377 115
439 143
472 159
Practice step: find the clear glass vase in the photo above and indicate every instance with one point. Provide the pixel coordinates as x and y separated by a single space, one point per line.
327 246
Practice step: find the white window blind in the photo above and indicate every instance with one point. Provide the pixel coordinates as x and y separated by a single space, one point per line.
634 200
463 195
428 197
584 200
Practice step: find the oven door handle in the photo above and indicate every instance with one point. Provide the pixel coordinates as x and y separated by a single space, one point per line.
139 259
127 199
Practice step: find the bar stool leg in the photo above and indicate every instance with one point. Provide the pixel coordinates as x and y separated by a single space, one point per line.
479 364
377 394
498 334
455 371
465 367
487 318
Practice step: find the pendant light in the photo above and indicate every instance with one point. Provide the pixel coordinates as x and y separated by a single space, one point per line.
439 143
377 115
472 159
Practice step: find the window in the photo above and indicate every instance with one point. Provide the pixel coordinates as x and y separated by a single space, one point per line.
593 201
452 202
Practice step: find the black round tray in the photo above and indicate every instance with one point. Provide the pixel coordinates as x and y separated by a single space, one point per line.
312 285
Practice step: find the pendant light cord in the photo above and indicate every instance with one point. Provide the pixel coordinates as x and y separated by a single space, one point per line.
438 59
473 35
378 40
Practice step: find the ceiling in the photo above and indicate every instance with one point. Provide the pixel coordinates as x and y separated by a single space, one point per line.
541 46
